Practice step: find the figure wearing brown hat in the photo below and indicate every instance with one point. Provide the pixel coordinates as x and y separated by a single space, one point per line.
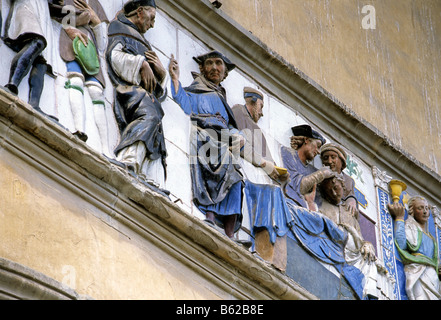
333 156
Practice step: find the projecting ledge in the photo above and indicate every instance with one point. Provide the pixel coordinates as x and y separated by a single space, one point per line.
18 282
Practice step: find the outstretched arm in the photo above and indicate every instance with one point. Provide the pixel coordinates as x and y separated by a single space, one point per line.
173 69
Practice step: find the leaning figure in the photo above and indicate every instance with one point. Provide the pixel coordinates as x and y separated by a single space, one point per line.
357 251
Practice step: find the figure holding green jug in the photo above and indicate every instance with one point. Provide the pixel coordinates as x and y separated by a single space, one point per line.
80 47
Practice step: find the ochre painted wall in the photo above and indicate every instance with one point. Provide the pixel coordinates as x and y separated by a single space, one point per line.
74 243
390 76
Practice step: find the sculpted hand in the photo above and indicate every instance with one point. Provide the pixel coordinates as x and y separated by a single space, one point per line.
327 172
74 32
173 70
396 210
148 80
268 167
284 177
92 16
351 204
368 252
156 64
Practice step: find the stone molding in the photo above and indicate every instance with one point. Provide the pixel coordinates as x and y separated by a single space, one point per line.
17 282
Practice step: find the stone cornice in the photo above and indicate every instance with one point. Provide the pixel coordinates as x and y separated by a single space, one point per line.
17 282
305 96
132 206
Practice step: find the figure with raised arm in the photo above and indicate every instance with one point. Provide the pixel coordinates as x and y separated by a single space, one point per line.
418 249
304 177
217 181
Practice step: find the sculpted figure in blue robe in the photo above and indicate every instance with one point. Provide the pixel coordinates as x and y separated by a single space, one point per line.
305 145
137 73
217 182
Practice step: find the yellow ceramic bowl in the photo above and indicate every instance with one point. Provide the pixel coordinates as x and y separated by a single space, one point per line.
280 170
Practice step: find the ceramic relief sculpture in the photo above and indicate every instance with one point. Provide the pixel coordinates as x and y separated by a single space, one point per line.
82 43
418 249
264 198
305 146
334 157
256 149
29 32
138 76
357 251
217 181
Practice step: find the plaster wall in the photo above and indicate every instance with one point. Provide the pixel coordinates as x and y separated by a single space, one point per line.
78 242
388 75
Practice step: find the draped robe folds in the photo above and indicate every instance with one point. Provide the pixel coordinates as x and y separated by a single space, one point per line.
297 171
138 113
340 215
316 234
30 19
95 34
216 178
419 252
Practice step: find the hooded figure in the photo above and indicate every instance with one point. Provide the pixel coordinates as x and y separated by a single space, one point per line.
137 73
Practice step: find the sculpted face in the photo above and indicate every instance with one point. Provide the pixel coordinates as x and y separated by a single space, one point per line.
421 211
256 110
312 148
146 18
214 70
333 190
331 159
